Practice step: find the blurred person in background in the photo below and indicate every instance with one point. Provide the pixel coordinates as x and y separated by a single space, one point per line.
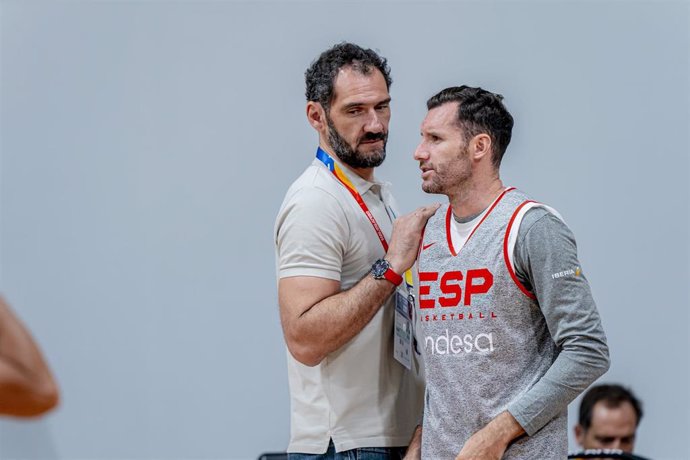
27 387
609 417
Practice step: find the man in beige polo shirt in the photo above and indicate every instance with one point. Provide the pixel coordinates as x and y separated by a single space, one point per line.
350 396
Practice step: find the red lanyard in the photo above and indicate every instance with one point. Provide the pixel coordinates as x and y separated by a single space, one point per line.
333 167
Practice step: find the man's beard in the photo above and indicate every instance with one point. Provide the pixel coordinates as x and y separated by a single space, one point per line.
353 157
443 180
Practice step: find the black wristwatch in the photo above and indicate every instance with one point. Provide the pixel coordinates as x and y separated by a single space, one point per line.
382 271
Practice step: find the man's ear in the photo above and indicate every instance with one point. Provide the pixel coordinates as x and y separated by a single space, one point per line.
316 116
580 435
481 146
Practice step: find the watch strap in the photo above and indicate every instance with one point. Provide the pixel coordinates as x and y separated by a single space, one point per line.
393 277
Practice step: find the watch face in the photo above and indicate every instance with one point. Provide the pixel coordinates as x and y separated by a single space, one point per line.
379 268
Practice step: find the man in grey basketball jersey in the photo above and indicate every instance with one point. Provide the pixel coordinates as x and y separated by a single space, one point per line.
507 325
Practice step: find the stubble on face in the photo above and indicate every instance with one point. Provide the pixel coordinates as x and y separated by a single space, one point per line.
450 174
353 156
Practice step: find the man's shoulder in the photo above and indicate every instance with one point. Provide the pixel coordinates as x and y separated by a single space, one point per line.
530 211
314 179
542 228
312 195
533 215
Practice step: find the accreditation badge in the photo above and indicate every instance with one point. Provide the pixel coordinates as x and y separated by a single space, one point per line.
402 346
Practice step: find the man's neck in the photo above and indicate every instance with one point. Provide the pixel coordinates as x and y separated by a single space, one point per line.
474 198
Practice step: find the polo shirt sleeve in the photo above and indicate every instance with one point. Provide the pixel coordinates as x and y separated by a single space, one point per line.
546 263
311 234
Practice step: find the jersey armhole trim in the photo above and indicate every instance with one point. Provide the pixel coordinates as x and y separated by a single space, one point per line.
511 235
509 244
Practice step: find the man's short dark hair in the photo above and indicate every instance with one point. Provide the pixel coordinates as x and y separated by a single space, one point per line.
320 76
479 111
612 396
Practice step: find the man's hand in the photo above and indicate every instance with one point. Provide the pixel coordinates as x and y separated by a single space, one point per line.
407 232
414 450
310 306
482 446
491 442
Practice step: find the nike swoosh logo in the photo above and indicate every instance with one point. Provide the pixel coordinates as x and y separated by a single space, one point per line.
427 246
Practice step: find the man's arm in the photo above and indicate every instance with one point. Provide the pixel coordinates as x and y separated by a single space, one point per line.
27 387
545 247
318 318
414 450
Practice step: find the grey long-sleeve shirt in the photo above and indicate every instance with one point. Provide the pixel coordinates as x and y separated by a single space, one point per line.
545 259
489 344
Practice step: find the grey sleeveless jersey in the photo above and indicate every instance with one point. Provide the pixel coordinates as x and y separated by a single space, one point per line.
483 336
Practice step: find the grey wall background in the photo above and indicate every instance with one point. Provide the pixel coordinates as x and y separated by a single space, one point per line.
146 147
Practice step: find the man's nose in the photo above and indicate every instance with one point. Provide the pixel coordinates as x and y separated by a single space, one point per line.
374 123
616 444
420 153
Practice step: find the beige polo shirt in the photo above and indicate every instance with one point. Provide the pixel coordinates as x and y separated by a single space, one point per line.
359 396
